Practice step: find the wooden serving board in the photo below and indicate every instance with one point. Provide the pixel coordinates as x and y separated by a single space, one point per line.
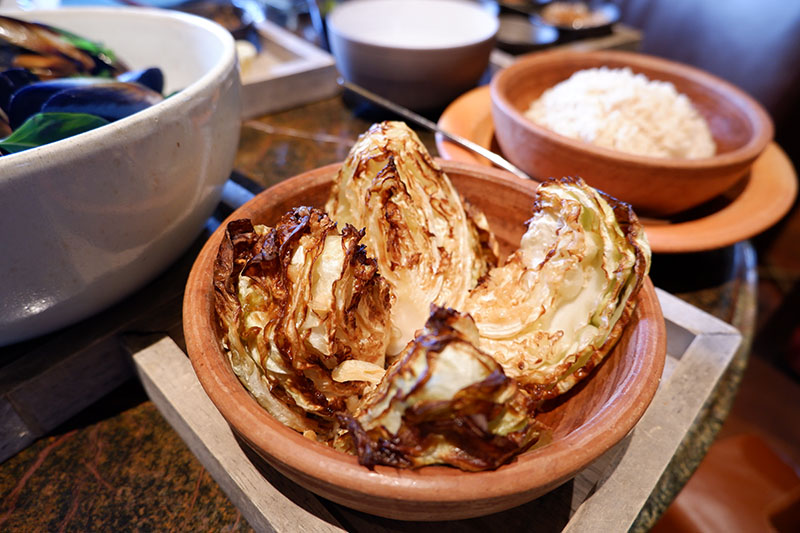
606 496
287 73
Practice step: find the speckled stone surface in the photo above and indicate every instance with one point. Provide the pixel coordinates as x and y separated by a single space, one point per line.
117 467
285 144
120 467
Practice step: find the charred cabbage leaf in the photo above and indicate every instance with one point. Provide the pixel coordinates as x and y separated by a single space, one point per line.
312 311
560 302
431 247
304 316
443 401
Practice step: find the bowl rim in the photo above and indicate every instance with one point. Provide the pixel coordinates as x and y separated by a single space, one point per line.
184 96
529 44
566 456
608 8
759 119
475 41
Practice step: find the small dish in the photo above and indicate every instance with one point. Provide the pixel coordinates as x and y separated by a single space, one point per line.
586 422
517 35
765 197
577 20
236 18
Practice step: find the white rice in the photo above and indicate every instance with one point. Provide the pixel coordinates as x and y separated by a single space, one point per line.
618 109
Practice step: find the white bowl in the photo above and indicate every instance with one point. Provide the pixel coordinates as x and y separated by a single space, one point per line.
89 219
419 53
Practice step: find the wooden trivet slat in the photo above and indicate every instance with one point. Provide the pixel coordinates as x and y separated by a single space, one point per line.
606 496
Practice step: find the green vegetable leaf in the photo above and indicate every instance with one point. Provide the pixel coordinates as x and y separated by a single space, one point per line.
94 48
44 128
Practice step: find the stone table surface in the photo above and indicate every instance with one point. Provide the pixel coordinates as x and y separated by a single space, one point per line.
118 466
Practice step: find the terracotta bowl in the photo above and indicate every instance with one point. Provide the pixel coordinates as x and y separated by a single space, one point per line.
741 129
588 421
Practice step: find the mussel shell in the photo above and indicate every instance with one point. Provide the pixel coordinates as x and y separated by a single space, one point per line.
11 81
41 40
150 77
29 100
53 55
111 101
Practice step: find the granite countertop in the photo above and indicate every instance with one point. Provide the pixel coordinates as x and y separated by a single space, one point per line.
119 466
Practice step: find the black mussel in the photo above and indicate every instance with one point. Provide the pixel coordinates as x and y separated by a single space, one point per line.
149 77
111 101
52 53
29 100
11 81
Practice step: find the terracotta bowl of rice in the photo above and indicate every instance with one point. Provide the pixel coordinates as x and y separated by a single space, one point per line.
660 135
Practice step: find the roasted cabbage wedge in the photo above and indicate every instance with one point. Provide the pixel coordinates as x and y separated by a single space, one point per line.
559 304
304 316
430 245
385 328
443 401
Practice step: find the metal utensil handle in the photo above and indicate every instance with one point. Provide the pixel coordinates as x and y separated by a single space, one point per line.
422 121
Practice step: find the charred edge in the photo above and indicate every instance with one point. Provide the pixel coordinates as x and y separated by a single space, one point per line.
468 432
372 452
490 249
231 258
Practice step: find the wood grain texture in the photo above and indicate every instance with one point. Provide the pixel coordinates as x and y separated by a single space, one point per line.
607 495
590 419
171 384
173 387
741 128
668 418
288 72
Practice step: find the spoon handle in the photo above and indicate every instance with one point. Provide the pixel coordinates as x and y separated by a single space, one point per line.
422 121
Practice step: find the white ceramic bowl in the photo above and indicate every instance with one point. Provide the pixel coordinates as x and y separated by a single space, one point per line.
419 53
87 220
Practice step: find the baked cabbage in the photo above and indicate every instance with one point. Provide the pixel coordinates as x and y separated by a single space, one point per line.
560 302
443 401
385 328
431 247
304 316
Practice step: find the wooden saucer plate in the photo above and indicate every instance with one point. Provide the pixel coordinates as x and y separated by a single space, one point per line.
751 208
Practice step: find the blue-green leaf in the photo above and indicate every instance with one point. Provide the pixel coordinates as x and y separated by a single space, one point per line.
44 128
